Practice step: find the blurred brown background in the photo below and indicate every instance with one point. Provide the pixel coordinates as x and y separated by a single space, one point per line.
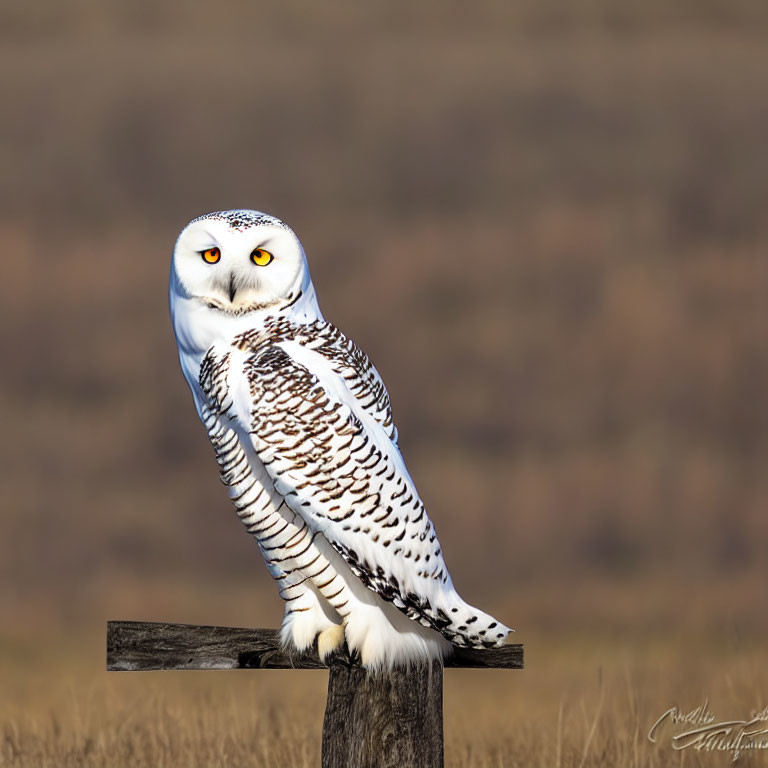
545 223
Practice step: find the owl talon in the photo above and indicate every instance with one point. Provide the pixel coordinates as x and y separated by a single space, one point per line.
330 641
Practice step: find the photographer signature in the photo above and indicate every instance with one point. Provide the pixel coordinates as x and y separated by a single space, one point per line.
702 731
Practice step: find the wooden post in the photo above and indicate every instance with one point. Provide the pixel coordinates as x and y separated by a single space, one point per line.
390 719
372 720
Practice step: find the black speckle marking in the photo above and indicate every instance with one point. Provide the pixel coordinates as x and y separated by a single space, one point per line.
242 219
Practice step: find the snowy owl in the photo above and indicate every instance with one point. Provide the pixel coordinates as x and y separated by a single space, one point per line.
301 425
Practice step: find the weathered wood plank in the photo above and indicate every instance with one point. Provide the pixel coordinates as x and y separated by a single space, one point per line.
508 657
385 720
143 645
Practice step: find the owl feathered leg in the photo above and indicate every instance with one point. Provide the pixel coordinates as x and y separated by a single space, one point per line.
308 616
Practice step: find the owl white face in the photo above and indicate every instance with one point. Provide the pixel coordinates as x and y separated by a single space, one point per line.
236 262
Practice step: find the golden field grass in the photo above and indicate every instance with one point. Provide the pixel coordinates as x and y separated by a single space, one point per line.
594 683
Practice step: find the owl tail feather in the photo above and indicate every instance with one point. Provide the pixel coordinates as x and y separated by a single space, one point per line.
469 627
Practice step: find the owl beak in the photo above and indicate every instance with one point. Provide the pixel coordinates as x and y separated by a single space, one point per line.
232 288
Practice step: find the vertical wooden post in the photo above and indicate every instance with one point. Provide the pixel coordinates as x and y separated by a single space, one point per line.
384 720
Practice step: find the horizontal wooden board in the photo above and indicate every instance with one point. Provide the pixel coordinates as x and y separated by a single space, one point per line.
143 646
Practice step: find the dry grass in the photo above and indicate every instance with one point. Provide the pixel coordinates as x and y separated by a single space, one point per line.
593 686
574 707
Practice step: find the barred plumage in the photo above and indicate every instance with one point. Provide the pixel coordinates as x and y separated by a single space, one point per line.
302 427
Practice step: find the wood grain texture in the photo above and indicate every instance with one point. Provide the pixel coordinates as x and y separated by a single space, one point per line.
140 646
384 720
143 645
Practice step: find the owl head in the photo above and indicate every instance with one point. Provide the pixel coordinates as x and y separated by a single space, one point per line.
232 269
236 262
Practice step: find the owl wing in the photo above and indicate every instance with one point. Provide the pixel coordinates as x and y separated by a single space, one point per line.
336 464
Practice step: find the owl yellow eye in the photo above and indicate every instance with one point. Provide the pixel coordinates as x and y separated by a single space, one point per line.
260 257
211 255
